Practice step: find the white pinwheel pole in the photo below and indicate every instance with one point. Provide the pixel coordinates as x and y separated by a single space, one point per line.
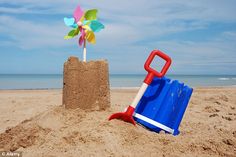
84 52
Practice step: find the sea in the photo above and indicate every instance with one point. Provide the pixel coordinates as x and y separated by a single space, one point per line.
55 81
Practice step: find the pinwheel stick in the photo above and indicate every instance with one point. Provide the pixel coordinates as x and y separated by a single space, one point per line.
84 52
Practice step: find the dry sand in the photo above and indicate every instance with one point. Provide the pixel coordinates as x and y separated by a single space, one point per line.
35 123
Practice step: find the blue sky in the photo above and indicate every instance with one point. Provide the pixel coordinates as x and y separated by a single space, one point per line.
200 35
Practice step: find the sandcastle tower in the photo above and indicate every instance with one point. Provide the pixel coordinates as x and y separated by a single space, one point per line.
86 84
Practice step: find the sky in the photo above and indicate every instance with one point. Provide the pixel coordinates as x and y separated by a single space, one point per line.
199 35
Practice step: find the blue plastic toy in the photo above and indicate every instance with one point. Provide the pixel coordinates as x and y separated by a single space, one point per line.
160 102
163 105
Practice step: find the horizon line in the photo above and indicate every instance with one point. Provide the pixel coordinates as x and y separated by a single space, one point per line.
114 74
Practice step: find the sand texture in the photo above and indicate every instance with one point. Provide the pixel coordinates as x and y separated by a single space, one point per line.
36 123
77 76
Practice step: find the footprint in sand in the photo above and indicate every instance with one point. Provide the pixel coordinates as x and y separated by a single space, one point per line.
211 109
227 118
234 134
214 115
228 142
71 138
217 102
224 98
217 99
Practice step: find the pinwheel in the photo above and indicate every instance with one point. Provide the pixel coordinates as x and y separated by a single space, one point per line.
83 24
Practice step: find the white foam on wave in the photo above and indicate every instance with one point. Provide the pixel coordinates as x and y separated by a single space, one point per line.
125 87
223 79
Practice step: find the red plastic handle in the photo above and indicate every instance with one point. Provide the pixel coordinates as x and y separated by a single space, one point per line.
152 72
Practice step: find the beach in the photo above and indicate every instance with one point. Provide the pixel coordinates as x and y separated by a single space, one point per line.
35 123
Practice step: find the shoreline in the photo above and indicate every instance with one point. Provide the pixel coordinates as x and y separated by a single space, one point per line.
112 88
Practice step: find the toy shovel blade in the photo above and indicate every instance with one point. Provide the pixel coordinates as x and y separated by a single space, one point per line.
126 116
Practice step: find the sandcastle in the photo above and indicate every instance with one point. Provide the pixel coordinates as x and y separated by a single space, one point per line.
86 84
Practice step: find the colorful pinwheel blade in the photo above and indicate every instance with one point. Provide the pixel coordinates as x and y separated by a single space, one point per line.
78 13
91 14
67 37
72 34
81 40
70 22
82 37
96 26
90 37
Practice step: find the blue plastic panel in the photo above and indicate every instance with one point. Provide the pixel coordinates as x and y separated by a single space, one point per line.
165 102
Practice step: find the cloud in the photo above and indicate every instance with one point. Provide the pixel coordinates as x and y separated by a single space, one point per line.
14 10
192 58
31 34
229 35
133 29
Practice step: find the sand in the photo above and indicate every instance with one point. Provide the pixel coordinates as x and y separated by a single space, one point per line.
35 122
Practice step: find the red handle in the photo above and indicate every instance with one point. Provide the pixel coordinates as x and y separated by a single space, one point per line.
152 72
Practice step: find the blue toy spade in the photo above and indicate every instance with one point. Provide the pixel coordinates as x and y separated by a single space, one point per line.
128 114
160 103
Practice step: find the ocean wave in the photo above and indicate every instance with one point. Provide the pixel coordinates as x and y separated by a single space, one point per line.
234 78
125 87
223 79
